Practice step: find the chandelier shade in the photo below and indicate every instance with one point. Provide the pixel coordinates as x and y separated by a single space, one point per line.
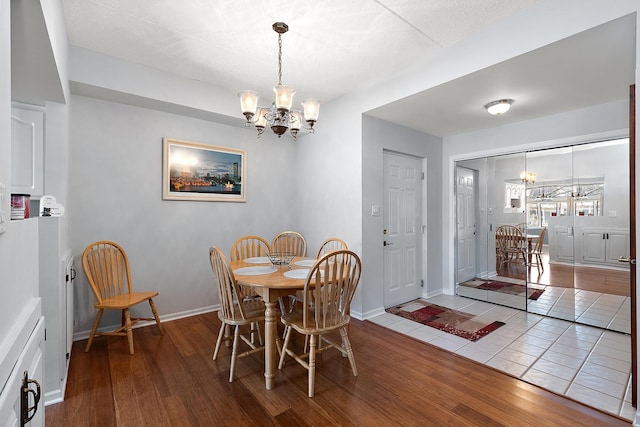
279 116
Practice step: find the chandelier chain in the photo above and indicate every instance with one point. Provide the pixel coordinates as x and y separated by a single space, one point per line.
279 58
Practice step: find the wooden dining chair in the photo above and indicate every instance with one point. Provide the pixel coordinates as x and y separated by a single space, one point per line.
107 267
290 242
249 247
536 253
236 311
330 245
328 291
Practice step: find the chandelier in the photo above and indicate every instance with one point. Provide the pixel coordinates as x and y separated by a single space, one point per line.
279 116
528 177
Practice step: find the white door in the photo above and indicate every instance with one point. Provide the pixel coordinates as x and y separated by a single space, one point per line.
466 225
402 219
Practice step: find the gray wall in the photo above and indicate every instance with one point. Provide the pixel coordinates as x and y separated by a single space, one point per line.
115 186
377 136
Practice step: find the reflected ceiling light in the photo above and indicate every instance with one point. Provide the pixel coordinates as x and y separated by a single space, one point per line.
279 116
499 107
528 177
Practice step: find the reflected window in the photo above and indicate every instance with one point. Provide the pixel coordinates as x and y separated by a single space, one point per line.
548 199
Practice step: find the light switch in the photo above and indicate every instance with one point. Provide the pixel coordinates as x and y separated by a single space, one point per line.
375 210
613 214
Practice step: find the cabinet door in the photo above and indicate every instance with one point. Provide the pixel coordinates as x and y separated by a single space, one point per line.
617 246
30 361
593 246
564 244
27 151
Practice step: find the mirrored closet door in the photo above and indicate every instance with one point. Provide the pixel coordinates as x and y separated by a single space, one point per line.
547 231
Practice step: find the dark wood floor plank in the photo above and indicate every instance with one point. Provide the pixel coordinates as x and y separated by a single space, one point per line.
172 380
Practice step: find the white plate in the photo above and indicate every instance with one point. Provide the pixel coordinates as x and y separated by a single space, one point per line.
258 260
305 262
255 271
298 273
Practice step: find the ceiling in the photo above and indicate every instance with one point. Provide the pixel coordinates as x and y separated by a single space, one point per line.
334 47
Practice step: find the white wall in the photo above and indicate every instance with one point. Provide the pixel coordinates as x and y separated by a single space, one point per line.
115 193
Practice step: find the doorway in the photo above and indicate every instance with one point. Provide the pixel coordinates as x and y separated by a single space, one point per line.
403 228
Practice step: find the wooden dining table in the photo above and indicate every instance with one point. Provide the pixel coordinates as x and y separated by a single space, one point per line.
271 287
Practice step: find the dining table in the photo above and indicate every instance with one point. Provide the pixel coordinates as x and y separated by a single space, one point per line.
271 282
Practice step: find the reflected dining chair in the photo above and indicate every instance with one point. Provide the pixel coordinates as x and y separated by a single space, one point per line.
291 242
249 247
236 311
510 245
536 252
328 291
107 267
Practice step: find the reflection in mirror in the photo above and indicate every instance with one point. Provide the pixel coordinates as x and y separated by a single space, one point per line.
571 208
499 272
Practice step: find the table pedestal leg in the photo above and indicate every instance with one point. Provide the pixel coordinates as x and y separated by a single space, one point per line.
270 332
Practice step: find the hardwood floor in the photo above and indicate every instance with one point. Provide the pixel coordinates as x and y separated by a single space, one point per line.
588 278
171 380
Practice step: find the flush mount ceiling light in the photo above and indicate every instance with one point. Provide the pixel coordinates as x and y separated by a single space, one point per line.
499 107
279 116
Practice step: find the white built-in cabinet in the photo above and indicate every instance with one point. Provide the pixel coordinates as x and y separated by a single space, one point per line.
57 275
563 244
605 245
27 150
27 372
596 245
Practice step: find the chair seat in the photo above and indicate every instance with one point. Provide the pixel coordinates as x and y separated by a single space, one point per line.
253 310
294 320
125 300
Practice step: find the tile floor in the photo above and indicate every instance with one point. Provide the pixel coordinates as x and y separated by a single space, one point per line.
589 364
606 311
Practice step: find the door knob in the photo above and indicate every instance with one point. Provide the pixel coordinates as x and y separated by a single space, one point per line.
387 243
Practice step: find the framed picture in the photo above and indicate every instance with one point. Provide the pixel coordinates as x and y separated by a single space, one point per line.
195 171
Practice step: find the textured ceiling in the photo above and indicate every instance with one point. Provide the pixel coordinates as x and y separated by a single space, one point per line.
332 48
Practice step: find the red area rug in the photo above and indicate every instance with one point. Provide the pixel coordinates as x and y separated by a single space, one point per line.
445 319
504 287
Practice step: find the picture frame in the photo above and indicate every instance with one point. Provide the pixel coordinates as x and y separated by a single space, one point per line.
202 172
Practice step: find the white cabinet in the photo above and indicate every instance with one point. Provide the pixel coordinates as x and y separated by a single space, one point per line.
605 245
29 338
56 289
27 150
563 244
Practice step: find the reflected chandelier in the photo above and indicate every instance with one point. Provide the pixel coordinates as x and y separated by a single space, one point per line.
528 177
279 116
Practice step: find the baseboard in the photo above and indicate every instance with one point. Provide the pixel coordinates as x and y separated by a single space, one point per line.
83 335
427 295
367 315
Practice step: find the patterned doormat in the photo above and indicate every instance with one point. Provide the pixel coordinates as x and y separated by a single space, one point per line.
445 319
504 287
